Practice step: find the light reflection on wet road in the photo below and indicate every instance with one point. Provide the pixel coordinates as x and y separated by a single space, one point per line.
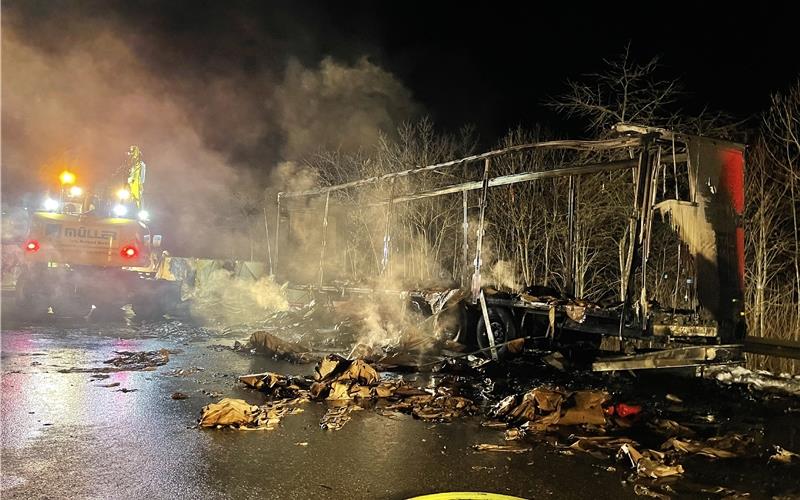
64 435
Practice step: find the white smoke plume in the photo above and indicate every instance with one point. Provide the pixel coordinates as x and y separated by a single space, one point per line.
85 84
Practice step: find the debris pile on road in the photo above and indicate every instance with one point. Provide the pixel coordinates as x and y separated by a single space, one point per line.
266 343
185 372
759 380
784 456
391 334
299 327
128 361
661 463
239 414
335 418
139 360
649 463
607 425
276 385
727 446
440 406
342 383
540 408
503 448
600 446
232 412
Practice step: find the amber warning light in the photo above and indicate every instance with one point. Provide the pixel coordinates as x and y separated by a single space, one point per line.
67 178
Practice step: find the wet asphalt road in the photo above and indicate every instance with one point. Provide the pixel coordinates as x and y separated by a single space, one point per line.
65 435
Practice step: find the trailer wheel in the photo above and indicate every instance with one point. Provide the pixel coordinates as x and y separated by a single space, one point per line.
451 324
503 330
29 303
147 309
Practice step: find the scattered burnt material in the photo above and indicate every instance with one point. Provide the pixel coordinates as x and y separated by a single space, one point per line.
343 383
140 360
266 343
651 435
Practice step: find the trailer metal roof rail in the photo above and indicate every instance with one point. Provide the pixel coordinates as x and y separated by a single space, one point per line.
602 145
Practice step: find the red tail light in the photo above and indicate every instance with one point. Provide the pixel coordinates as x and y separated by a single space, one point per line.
129 252
32 246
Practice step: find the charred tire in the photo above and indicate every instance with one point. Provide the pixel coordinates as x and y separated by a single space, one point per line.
451 324
30 303
503 329
71 307
147 309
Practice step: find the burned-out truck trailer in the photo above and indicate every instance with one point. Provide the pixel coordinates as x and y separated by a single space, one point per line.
703 207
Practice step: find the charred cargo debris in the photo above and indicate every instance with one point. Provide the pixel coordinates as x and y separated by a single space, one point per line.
340 383
661 441
645 318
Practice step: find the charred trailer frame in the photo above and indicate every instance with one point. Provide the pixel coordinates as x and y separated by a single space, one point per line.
707 219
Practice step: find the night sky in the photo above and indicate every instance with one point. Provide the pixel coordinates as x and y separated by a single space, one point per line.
492 65
488 64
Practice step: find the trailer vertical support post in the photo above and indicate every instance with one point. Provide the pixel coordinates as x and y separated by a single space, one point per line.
324 240
680 245
465 242
488 325
647 228
269 247
387 232
476 275
643 178
571 237
277 231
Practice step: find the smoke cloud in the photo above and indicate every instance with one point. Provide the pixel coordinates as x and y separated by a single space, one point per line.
336 105
81 84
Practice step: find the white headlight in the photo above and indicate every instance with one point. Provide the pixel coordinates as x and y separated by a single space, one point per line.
50 204
144 215
120 210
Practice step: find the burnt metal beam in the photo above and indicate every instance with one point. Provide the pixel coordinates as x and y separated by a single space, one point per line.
673 358
591 168
277 232
324 241
505 180
604 145
476 275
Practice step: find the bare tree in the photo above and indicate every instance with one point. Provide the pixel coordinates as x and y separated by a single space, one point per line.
773 239
625 92
782 131
766 243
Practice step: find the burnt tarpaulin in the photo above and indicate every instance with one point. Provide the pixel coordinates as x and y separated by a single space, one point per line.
710 223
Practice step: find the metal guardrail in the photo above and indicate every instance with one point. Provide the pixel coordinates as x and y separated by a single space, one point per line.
772 347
